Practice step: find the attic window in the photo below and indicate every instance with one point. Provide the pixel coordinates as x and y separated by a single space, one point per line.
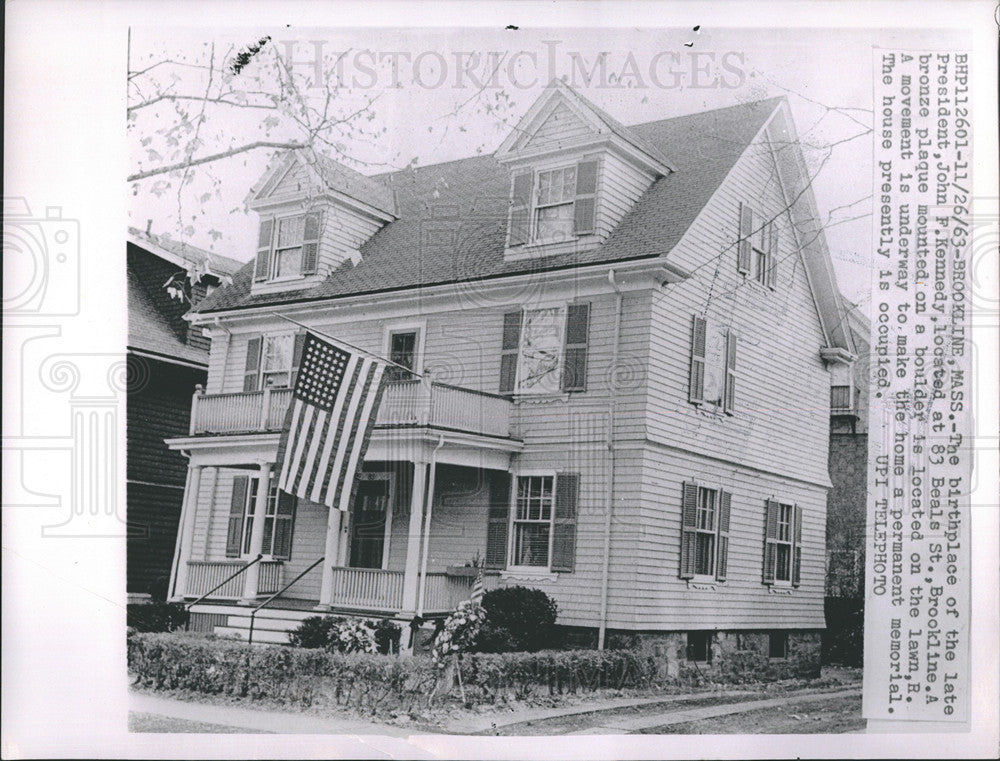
553 205
288 247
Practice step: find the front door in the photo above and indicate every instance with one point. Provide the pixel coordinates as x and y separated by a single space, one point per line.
371 506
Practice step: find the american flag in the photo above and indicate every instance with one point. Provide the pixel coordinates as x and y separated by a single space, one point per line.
477 588
334 404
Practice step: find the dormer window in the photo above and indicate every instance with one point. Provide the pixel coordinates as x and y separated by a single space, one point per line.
288 247
553 205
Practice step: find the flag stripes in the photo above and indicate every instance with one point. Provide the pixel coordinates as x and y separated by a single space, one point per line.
335 403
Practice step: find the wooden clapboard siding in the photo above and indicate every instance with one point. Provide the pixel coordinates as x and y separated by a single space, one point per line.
621 185
292 183
664 601
341 237
782 387
308 544
219 358
458 523
216 485
561 127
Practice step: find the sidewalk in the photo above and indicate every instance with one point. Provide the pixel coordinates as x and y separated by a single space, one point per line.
258 720
625 725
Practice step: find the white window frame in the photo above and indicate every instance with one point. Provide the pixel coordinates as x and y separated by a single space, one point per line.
263 372
787 543
710 531
249 514
539 570
519 390
420 328
537 206
273 267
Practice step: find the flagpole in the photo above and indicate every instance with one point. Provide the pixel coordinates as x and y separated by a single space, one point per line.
335 339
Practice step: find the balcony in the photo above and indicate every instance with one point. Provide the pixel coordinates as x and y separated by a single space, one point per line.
406 403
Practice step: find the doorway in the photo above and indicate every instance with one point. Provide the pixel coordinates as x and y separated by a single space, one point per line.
370 520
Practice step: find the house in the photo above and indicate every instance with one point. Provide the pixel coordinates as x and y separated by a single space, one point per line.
166 359
619 342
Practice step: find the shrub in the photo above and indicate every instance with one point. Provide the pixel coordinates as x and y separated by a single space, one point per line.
156 616
346 635
517 618
313 632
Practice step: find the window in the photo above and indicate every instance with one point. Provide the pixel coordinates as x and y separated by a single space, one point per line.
704 564
705 514
712 374
279 515
782 545
553 205
277 362
402 351
699 646
288 247
757 251
533 520
544 351
777 645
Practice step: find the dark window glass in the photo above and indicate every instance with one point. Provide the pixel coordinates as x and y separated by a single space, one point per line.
402 351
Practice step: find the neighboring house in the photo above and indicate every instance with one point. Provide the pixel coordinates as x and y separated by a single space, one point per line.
622 340
166 358
847 505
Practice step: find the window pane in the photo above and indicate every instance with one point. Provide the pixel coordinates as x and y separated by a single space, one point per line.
783 565
705 555
290 232
402 350
555 222
532 544
277 353
288 262
539 365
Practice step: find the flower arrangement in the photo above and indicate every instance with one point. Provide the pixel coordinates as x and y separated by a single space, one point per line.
353 636
459 632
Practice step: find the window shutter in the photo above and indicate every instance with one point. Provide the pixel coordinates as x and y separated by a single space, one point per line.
251 372
772 255
689 537
310 242
696 389
520 213
585 203
284 520
797 546
729 392
237 505
564 526
770 536
496 528
508 351
300 341
722 556
743 246
263 264
574 376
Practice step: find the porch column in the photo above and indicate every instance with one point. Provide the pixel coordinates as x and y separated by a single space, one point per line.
412 572
185 533
332 555
252 574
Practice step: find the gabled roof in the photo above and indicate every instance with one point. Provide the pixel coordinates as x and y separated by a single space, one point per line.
149 328
470 197
327 174
184 255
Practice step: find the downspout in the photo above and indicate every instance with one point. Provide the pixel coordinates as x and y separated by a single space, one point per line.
428 509
610 496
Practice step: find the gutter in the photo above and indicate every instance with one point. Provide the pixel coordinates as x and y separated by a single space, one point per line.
610 442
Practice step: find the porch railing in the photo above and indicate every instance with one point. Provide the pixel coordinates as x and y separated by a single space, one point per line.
367 589
403 404
223 580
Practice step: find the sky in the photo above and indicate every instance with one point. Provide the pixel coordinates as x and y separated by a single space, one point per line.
450 93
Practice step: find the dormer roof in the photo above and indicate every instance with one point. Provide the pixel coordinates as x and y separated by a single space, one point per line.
595 126
324 176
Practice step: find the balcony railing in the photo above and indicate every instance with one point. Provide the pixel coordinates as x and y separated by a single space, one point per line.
407 403
202 576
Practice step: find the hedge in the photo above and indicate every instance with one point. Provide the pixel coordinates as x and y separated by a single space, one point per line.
371 682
